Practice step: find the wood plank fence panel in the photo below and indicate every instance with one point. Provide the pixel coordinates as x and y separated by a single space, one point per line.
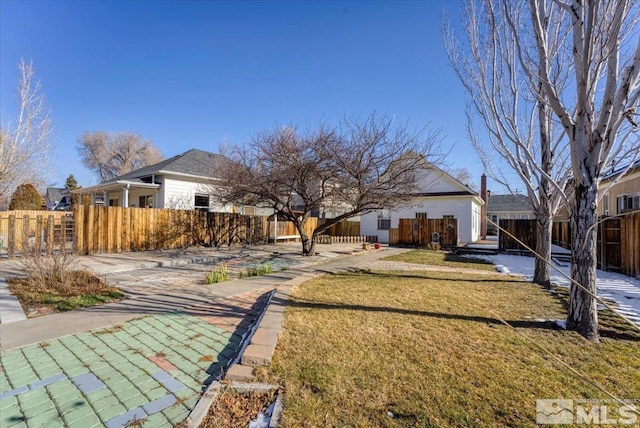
421 231
524 230
22 230
116 229
618 244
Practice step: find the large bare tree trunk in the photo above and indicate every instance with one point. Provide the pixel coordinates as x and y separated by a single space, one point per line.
542 272
583 315
308 242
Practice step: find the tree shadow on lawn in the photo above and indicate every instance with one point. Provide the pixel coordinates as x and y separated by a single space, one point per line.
611 326
418 274
297 302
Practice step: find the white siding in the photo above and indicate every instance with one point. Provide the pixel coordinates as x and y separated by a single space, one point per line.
369 226
464 208
180 194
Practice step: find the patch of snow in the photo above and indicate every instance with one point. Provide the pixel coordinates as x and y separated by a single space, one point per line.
561 323
621 289
263 419
259 422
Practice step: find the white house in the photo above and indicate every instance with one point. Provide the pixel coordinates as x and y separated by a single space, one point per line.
443 197
182 182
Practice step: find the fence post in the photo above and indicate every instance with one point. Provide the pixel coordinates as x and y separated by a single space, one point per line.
50 235
38 234
25 233
11 238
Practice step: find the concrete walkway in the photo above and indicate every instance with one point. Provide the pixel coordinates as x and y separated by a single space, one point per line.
150 356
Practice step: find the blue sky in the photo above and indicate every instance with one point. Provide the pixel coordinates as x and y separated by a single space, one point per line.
191 74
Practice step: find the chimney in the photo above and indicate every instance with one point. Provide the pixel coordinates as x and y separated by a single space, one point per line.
484 195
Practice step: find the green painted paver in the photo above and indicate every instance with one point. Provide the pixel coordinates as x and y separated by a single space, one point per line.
119 359
156 420
109 407
43 419
76 420
36 409
132 397
33 397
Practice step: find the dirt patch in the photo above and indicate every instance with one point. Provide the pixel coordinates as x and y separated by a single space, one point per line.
233 409
79 289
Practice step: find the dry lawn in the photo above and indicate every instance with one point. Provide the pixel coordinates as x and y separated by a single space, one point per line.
426 349
442 258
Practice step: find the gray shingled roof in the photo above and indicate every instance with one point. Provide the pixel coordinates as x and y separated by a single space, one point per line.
193 162
513 203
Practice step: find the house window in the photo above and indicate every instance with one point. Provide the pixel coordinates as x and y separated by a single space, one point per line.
384 223
202 202
448 217
113 203
145 201
628 203
421 215
605 205
384 220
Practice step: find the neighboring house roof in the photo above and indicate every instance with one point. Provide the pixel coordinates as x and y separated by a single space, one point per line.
55 194
509 203
194 162
627 170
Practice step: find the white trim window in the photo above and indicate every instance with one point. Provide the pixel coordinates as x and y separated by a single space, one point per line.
201 202
384 220
628 203
605 205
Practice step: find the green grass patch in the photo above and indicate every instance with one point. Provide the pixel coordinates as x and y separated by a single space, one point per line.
427 349
441 258
218 274
261 269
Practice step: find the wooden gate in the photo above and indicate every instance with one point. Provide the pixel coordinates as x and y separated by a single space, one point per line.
421 231
610 245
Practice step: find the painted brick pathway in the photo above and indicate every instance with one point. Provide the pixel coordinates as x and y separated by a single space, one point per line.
152 368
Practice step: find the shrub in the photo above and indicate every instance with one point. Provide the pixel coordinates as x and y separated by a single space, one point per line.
54 283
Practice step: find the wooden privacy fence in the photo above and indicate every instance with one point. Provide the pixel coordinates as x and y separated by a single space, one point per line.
343 228
561 234
41 231
421 232
116 229
282 229
619 244
618 247
524 230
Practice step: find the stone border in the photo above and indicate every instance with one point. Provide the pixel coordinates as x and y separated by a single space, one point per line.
262 344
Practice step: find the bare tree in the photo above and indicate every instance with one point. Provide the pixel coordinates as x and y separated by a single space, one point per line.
598 113
26 144
353 169
519 127
463 176
582 62
112 154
